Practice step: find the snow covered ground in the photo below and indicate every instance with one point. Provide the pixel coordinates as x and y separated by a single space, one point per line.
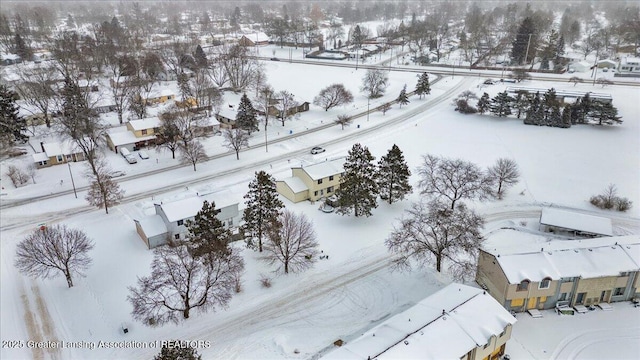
301 315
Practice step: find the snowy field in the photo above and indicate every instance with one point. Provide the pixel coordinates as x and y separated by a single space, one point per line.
301 315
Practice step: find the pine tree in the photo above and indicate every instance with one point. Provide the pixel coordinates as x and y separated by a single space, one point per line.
358 189
555 117
550 104
22 48
200 57
483 103
262 208
393 176
525 38
501 104
175 350
522 102
207 234
586 104
566 117
533 113
403 99
423 87
246 118
12 126
605 113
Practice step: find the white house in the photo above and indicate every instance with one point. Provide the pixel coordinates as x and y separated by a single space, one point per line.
457 322
629 66
169 221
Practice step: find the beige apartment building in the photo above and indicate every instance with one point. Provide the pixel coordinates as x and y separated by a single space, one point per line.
312 182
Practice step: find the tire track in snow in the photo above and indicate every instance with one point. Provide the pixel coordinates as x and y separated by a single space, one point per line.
30 323
571 347
47 324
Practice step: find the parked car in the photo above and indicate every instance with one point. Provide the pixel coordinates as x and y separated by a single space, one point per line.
317 150
131 159
143 154
489 82
275 59
117 173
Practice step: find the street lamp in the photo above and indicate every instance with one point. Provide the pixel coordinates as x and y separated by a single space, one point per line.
72 182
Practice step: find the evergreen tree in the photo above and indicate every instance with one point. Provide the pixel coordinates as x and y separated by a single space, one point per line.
483 103
533 116
501 104
262 208
576 112
22 48
550 104
555 117
12 126
207 234
393 176
605 113
174 350
200 57
403 99
246 118
586 104
423 87
566 117
358 189
522 102
525 38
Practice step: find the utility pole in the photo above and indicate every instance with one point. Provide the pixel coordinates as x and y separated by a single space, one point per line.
526 56
72 182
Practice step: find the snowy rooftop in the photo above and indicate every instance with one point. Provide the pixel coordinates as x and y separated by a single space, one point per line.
296 184
189 207
153 225
576 221
148 123
587 262
470 318
182 209
257 37
122 136
66 147
325 169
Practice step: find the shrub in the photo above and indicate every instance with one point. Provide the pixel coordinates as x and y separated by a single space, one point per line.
18 176
610 200
463 107
623 204
265 281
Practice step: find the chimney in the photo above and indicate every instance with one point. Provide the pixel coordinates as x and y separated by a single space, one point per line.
42 146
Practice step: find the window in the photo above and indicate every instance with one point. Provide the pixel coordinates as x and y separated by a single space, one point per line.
59 158
315 193
618 291
331 178
329 189
580 298
517 302
180 222
144 131
230 221
544 284
177 236
523 286
319 181
563 297
624 274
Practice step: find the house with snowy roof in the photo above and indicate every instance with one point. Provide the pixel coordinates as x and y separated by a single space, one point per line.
578 224
629 66
56 153
457 322
577 274
255 39
312 182
169 221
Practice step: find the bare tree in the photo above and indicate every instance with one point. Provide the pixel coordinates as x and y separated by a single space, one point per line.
332 96
37 88
291 242
286 105
505 173
263 104
180 283
453 179
120 81
52 250
192 153
103 192
434 233
375 83
344 120
17 176
236 140
239 66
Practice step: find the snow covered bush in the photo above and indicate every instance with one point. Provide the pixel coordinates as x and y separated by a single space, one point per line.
18 176
610 200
